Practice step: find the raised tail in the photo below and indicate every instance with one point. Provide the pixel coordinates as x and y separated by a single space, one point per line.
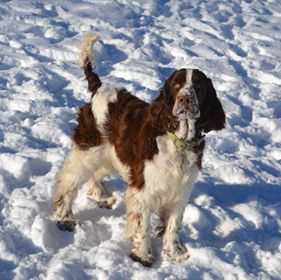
86 60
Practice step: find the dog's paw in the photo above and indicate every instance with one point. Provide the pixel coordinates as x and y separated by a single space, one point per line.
66 225
146 261
159 231
106 203
176 252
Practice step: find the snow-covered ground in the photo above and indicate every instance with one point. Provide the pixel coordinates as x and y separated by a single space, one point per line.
232 225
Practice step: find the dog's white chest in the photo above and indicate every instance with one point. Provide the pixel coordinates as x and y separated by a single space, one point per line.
177 163
169 176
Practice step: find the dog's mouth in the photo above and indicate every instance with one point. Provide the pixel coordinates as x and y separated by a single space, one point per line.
181 114
184 114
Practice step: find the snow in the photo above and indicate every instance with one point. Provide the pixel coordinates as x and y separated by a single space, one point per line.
232 225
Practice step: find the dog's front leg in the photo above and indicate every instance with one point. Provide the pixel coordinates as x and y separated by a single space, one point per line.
173 248
138 229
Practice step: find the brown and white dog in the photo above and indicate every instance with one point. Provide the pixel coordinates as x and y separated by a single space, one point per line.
157 148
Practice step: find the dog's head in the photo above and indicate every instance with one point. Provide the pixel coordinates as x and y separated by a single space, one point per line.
191 95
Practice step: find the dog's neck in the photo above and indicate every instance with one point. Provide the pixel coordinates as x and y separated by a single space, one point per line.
186 129
182 130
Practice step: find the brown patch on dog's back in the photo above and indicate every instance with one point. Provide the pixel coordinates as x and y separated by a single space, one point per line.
132 127
86 134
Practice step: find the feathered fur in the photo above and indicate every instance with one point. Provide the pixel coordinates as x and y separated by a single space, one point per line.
119 133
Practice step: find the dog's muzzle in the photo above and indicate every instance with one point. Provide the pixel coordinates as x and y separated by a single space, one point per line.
186 105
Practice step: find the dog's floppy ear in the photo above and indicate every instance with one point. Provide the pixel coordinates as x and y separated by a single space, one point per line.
162 118
212 116
166 91
166 94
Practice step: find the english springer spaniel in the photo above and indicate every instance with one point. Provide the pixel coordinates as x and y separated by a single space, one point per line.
157 148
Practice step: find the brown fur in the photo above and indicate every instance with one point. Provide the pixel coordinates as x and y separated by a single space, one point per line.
86 134
212 116
133 131
133 125
93 79
171 87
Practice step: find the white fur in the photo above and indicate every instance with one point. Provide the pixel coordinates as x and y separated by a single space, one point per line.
168 184
188 83
86 48
182 131
93 164
105 95
188 90
168 180
169 176
79 167
189 73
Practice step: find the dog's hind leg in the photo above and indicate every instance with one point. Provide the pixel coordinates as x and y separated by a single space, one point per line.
69 180
99 193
